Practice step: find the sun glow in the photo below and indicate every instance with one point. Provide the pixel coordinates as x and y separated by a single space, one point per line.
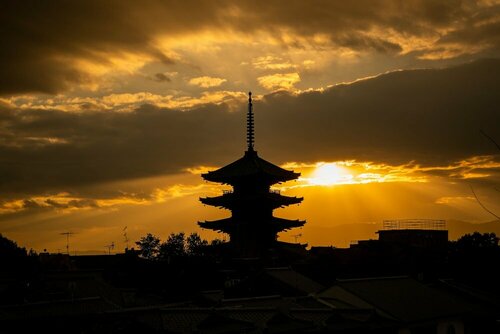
327 174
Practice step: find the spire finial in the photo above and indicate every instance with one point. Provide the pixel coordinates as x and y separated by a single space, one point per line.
250 134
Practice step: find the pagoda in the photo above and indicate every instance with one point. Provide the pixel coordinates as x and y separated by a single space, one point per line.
252 227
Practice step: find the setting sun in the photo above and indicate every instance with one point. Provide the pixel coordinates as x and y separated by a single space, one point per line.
327 174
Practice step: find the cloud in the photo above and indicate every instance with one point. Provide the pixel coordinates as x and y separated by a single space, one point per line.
271 63
279 80
40 54
427 117
364 172
125 102
62 202
207 82
455 199
110 200
161 77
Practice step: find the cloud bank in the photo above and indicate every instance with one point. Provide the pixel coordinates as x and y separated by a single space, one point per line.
428 117
55 46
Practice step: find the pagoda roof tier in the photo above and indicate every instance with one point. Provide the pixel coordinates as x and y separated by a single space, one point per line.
282 224
228 225
250 165
230 200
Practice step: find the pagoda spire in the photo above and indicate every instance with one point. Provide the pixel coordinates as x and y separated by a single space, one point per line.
250 132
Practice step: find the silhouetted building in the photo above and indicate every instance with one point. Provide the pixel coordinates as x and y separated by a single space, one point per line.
252 227
415 232
415 306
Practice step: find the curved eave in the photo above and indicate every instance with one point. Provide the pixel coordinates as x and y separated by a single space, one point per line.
234 179
289 200
249 166
227 224
230 200
221 225
286 224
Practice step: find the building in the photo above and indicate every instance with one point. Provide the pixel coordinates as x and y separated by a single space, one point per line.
415 307
252 227
426 233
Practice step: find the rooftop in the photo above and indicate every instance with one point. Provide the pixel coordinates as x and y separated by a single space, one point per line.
414 224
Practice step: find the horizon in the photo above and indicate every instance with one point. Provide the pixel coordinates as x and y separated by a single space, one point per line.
453 235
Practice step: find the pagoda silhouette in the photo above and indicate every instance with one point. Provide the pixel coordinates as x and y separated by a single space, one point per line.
252 228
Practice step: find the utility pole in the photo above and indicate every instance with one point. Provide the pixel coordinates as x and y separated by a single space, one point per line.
67 234
110 247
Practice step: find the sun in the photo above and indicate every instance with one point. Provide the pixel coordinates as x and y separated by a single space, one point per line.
327 174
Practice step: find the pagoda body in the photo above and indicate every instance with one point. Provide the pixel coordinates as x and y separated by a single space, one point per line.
252 227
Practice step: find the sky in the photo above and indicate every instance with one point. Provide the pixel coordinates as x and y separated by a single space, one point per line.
111 110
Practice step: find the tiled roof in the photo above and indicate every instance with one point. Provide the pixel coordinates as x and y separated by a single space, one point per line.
294 279
69 307
250 165
403 298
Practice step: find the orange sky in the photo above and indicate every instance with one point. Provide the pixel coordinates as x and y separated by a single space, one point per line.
352 193
379 104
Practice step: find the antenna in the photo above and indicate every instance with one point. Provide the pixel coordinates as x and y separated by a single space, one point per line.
250 132
67 234
125 236
297 236
110 247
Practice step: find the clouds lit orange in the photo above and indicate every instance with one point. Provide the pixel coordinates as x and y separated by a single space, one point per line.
387 109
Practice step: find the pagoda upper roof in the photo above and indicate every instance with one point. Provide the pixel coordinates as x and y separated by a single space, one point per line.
250 165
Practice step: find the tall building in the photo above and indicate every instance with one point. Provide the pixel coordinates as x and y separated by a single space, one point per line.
252 227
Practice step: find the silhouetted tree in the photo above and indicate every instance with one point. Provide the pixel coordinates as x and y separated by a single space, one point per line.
149 246
18 262
10 249
195 245
217 242
478 240
174 246
474 259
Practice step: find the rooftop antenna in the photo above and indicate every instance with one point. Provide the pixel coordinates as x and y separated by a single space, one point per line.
250 133
125 236
297 236
67 234
110 247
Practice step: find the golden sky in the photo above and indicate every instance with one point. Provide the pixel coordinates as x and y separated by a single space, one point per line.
109 110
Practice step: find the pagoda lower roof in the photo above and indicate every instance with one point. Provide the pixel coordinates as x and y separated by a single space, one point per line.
227 225
250 165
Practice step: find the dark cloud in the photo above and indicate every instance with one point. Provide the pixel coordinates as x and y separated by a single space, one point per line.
40 41
424 115
75 203
160 77
359 42
102 146
481 30
432 117
30 204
